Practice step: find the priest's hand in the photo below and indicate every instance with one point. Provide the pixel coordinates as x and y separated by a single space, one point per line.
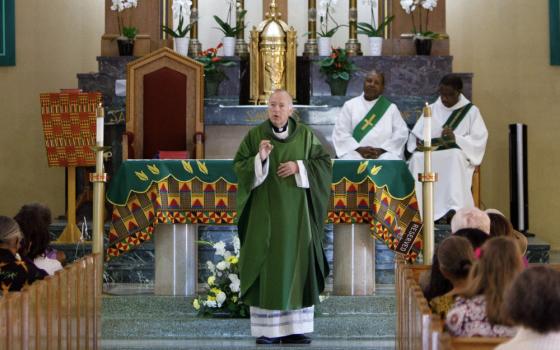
265 148
287 169
447 134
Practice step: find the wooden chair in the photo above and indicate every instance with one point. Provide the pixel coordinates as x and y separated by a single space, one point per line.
164 105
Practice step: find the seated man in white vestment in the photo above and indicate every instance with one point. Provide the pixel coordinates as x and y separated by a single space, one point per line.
459 135
370 126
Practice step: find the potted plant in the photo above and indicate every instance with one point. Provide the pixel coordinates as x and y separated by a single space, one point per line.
374 32
326 9
213 72
338 70
181 10
127 34
422 36
230 31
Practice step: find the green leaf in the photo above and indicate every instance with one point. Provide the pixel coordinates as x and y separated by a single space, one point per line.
344 75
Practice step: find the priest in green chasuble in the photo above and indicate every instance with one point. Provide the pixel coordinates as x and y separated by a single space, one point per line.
370 126
284 176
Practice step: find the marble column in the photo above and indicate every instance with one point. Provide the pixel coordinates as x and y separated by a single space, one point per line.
176 252
354 260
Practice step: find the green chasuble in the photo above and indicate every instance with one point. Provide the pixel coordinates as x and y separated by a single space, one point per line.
281 226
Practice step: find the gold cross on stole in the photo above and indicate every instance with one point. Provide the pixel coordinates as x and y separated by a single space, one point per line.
368 122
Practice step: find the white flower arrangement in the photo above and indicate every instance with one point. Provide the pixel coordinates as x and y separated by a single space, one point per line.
223 284
420 30
119 6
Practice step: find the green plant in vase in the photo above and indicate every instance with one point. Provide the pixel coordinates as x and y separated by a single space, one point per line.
338 70
213 69
127 34
228 28
179 34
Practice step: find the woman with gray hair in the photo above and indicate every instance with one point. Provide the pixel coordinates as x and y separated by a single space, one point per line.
14 271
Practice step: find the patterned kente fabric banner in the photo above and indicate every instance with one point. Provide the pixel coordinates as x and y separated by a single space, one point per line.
69 121
147 192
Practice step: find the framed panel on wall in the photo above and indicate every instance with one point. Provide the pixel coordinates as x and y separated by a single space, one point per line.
554 13
7 33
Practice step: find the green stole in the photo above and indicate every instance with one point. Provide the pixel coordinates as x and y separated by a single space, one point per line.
453 122
371 119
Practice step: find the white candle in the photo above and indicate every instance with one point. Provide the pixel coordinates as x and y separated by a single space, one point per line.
427 126
99 125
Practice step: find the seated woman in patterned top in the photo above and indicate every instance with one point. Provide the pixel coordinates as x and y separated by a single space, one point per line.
455 256
15 272
480 309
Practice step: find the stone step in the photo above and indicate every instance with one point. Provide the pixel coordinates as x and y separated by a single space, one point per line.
356 326
241 344
154 306
151 317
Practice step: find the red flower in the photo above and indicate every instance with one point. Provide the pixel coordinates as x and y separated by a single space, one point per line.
219 45
216 59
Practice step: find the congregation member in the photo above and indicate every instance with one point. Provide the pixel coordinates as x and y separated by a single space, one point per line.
370 126
284 178
455 255
459 136
533 304
501 226
34 220
470 223
15 271
479 311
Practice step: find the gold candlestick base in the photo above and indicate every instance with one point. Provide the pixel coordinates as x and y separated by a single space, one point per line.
241 48
353 47
310 48
195 47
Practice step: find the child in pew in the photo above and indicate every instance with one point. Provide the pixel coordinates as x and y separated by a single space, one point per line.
455 255
34 220
15 271
471 223
533 303
436 284
480 310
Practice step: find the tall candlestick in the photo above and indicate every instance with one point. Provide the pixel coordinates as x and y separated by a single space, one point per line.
427 125
100 121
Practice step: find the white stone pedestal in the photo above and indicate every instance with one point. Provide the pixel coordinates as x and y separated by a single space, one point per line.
354 260
176 253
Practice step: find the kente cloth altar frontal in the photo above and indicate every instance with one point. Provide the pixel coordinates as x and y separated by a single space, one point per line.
148 192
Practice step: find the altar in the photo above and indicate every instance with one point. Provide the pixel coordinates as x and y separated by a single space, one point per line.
180 195
147 194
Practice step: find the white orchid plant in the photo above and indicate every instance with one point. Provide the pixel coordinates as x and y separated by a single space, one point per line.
325 11
421 30
223 284
128 32
372 29
181 10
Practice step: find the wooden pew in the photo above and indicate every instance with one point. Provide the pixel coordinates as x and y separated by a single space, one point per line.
417 328
60 312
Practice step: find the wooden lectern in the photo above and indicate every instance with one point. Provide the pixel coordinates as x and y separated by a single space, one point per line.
69 126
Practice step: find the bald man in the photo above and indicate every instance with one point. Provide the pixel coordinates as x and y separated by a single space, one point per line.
284 178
